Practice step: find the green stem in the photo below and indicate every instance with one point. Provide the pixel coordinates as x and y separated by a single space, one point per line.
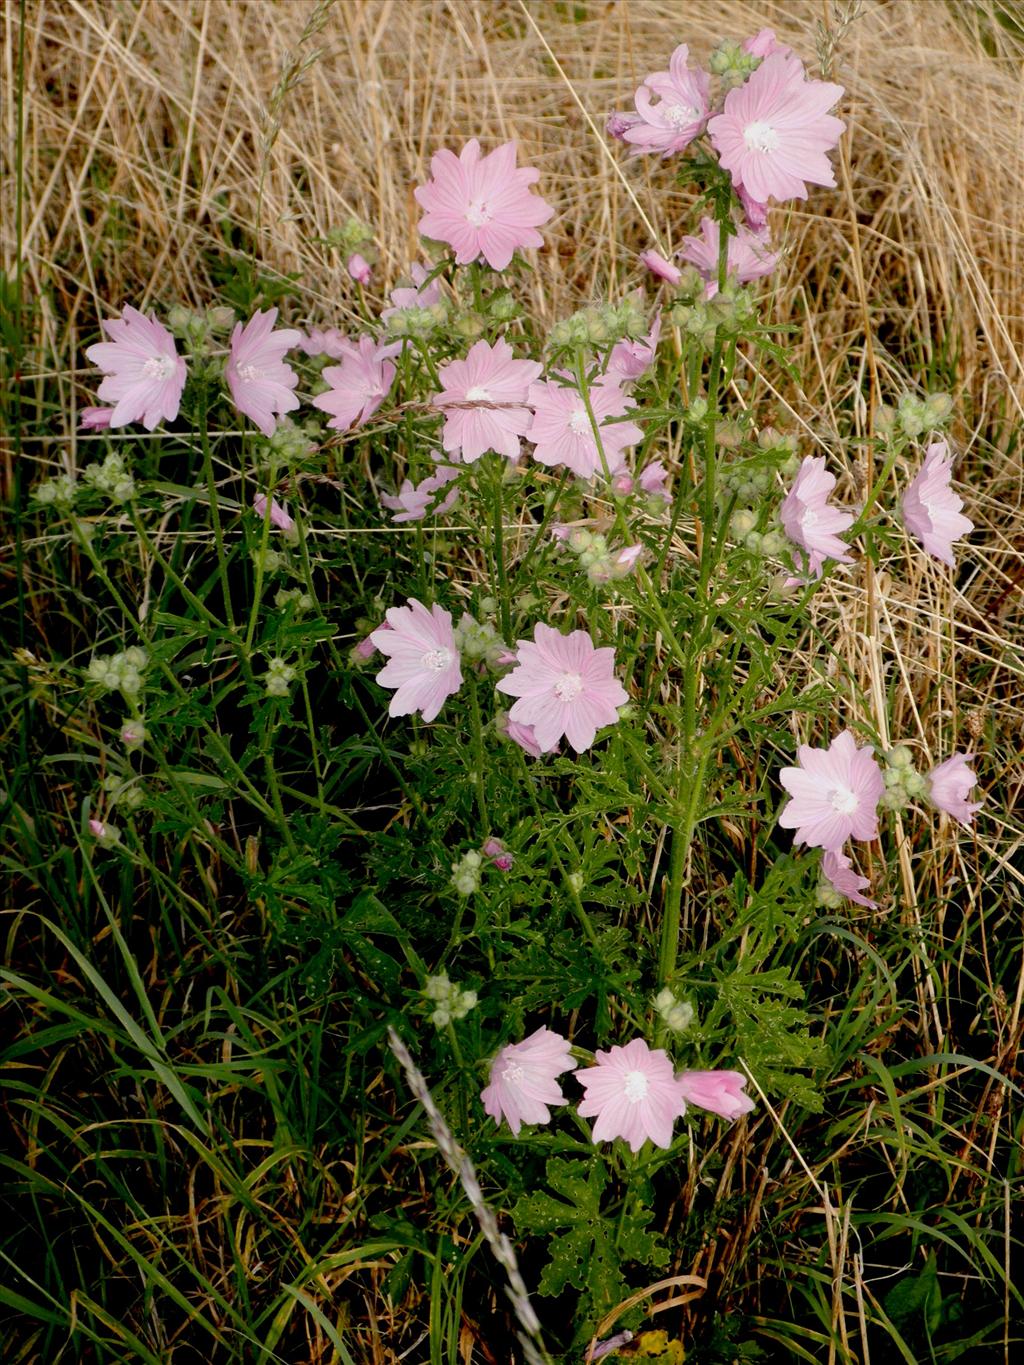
682 838
874 491
257 595
549 512
478 757
211 488
499 555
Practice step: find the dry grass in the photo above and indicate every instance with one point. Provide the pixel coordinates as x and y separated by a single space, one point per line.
150 126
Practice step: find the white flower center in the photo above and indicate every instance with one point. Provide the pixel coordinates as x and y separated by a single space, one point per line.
568 686
932 509
579 422
477 213
513 1073
760 136
843 801
249 374
158 367
636 1086
808 518
681 115
477 394
436 660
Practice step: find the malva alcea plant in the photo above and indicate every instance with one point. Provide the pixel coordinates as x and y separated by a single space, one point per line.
603 564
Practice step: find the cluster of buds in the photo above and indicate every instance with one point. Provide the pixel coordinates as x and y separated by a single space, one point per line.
730 62
601 325
268 559
750 482
652 481
478 641
744 526
120 672
56 492
914 416
419 322
299 601
353 241
903 783
498 854
291 445
278 677
466 873
197 327
123 791
112 478
601 564
731 311
450 1001
675 1014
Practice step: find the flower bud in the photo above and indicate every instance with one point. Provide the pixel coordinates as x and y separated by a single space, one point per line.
359 268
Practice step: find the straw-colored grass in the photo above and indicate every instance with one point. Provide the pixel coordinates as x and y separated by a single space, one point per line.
161 133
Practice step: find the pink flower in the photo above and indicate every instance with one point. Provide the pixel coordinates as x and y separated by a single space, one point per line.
652 480
565 687
145 375
525 737
359 268
423 295
681 113
482 206
720 1092
423 662
524 1079
633 1094
498 854
838 871
763 44
618 125
365 649
774 131
931 510
261 383
359 384
834 794
810 522
754 211
278 515
626 561
562 433
949 786
94 419
414 500
326 341
657 265
630 359
747 255
98 829
488 375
